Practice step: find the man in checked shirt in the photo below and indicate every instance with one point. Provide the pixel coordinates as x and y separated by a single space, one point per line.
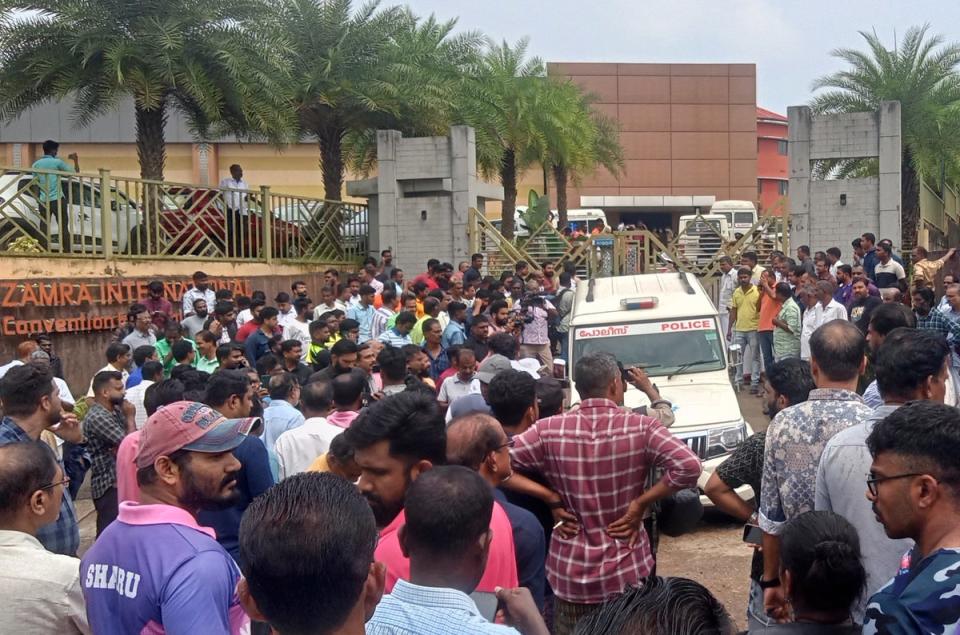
598 458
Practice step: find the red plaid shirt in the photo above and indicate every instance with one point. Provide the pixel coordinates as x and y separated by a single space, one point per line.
597 458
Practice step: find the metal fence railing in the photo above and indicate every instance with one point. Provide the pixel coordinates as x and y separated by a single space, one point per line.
80 215
696 249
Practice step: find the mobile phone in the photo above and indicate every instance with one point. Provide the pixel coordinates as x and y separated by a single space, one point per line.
752 535
264 380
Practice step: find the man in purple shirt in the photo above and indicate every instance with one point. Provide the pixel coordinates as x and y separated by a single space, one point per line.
155 570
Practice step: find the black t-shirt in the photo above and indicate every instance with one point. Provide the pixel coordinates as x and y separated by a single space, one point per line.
861 310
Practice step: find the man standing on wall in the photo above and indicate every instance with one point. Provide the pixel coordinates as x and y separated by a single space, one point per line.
51 195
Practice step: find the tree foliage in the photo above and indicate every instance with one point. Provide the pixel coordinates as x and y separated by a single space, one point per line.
921 72
203 58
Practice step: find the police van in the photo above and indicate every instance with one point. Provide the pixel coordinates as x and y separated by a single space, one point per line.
666 324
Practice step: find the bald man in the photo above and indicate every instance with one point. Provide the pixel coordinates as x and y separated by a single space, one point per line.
477 441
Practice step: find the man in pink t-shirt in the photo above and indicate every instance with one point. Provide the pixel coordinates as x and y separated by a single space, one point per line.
395 441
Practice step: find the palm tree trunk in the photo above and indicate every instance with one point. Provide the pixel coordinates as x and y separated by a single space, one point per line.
560 177
152 153
508 178
910 201
331 162
151 143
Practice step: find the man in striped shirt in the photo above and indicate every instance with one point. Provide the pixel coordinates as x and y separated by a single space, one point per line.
611 551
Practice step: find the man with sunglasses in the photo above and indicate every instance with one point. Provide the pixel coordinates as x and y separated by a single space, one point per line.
40 590
910 365
914 488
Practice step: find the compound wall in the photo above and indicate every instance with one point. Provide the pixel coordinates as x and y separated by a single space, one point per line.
828 213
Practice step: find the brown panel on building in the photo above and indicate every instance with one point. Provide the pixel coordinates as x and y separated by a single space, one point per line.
645 145
742 70
644 117
743 193
743 145
743 90
720 193
601 178
580 68
700 145
701 172
743 118
642 191
646 174
594 191
643 69
743 173
699 70
610 110
705 118
603 87
644 90
699 90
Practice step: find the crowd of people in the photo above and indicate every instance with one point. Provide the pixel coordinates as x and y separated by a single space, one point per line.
397 458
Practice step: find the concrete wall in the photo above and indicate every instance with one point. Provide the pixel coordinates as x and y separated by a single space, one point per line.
26 280
420 198
873 204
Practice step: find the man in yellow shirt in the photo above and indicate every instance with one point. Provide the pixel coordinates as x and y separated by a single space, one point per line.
925 270
744 319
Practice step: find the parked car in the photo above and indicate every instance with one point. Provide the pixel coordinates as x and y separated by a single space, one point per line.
21 212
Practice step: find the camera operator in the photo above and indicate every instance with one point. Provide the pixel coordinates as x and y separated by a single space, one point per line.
533 312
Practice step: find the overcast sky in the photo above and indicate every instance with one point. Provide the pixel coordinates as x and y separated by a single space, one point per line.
789 40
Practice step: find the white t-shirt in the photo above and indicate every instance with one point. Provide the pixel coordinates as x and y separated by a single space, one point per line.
243 317
888 275
296 449
235 200
300 331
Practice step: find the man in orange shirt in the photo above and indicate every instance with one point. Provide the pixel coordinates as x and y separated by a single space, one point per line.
770 306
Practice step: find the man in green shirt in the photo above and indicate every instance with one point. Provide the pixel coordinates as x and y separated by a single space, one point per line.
171 336
207 352
786 326
51 194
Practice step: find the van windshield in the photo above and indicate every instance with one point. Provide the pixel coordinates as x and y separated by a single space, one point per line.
664 347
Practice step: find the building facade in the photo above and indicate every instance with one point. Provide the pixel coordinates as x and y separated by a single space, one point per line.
773 175
689 134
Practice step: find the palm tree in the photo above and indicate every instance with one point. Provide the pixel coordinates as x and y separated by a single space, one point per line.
579 140
359 71
201 58
504 102
920 73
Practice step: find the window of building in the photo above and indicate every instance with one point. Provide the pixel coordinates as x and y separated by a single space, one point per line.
782 147
784 187
759 186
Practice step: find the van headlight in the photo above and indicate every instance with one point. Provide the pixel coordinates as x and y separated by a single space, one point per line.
724 440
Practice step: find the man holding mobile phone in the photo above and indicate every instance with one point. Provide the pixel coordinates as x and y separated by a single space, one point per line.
786 383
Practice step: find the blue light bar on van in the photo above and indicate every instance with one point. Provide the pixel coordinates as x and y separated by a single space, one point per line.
631 304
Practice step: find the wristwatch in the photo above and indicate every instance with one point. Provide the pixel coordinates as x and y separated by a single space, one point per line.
769 584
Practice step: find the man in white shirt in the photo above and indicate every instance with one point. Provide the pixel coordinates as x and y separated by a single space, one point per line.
828 308
238 237
41 590
152 373
200 289
118 359
833 257
299 327
296 449
465 382
728 284
285 307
